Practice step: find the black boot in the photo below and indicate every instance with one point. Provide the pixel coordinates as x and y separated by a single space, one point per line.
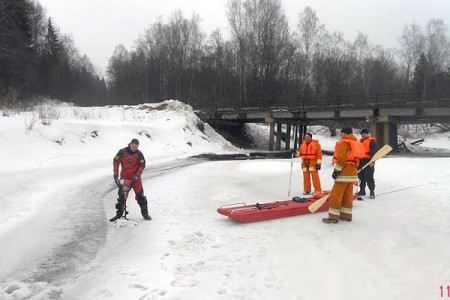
361 192
372 195
330 220
142 201
117 216
120 206
145 215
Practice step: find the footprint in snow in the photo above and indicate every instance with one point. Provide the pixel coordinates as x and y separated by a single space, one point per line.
185 282
154 291
149 295
11 288
23 290
106 294
129 272
125 223
138 286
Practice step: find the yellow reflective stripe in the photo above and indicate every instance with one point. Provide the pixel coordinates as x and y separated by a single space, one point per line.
319 161
338 167
347 178
346 210
334 211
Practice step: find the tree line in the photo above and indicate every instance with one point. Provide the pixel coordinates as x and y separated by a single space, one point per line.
37 60
264 62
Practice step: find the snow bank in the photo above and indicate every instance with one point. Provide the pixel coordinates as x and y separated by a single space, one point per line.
81 135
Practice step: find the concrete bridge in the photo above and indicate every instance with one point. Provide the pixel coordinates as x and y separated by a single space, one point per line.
381 113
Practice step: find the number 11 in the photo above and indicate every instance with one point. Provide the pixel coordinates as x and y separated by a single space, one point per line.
442 291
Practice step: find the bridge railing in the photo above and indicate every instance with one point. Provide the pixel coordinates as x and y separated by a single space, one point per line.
387 100
372 101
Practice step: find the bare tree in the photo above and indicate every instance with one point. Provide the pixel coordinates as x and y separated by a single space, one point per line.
261 35
381 72
195 52
361 53
412 45
236 19
215 52
332 67
307 39
437 43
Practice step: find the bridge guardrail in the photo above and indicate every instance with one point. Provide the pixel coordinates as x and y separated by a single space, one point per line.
387 100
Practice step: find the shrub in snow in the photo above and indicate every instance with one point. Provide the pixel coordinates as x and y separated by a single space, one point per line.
29 120
9 101
143 132
47 113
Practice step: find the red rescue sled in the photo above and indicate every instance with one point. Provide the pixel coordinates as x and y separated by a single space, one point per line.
267 211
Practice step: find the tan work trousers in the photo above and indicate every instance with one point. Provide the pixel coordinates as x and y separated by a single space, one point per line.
307 175
341 200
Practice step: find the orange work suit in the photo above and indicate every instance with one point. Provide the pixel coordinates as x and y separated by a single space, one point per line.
341 198
311 154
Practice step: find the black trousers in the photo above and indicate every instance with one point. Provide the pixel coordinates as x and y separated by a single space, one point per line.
366 178
140 198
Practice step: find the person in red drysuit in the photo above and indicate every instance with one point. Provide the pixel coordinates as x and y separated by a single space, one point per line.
132 163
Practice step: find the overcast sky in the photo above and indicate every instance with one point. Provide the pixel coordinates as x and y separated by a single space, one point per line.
98 26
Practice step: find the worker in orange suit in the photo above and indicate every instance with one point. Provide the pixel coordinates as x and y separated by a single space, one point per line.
345 175
311 154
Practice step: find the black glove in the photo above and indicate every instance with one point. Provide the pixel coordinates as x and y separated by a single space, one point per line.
318 167
335 175
116 178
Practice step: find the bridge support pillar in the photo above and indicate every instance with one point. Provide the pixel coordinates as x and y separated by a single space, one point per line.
384 128
295 136
303 131
299 135
275 135
278 135
271 135
288 137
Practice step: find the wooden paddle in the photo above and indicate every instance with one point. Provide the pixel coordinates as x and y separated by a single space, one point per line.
318 203
380 153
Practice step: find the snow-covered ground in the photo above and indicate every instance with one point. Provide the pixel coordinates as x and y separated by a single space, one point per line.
57 242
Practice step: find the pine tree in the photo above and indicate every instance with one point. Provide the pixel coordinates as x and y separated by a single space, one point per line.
421 75
53 47
15 44
52 64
